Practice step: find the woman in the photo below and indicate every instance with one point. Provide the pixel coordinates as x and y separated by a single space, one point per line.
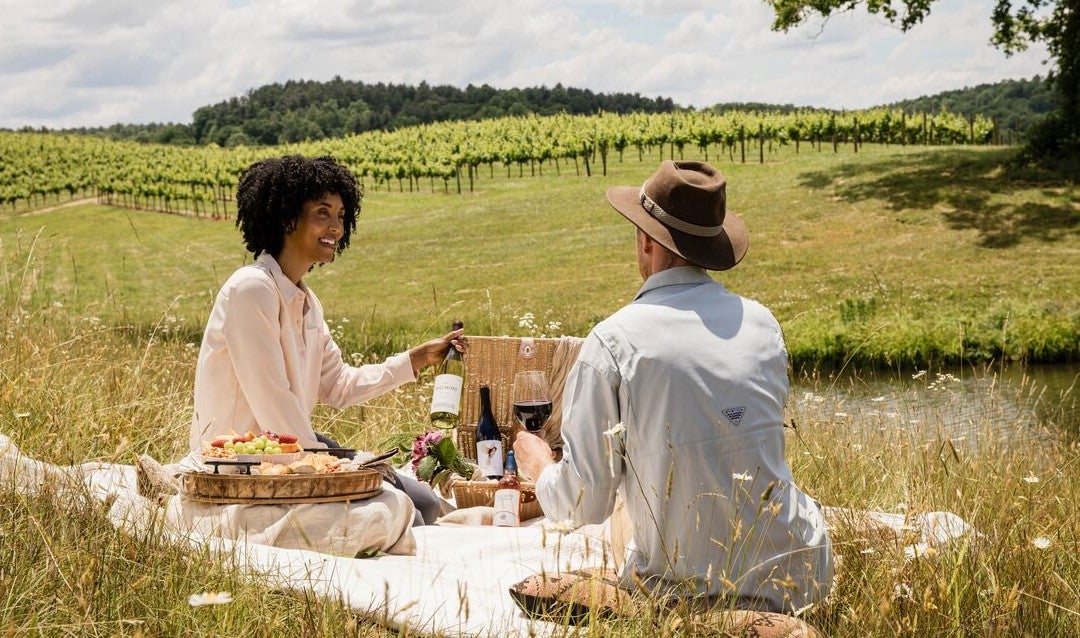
267 354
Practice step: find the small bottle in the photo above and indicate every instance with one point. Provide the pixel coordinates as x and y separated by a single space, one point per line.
508 496
449 382
489 444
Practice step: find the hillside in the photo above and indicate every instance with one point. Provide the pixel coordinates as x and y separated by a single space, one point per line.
305 110
1014 104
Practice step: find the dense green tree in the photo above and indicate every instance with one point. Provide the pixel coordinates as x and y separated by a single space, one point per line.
1017 25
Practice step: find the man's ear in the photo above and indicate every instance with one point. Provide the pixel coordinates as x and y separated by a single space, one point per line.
647 243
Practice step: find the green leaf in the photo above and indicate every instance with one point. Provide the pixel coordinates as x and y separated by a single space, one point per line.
427 468
446 451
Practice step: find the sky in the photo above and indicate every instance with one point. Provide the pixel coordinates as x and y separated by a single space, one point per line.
72 63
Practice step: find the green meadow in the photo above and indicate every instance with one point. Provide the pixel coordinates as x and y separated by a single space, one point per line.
892 257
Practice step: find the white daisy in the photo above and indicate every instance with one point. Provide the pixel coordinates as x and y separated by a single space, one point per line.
210 598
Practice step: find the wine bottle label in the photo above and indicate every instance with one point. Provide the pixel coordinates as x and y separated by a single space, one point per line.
489 457
447 394
507 508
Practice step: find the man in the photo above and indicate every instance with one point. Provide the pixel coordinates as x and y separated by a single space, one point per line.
676 403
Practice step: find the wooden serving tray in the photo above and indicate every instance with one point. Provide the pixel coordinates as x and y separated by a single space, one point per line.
282 489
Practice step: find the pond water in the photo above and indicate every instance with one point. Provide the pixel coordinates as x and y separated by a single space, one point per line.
1023 401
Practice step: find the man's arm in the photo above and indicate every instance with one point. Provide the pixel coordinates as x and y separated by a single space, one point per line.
582 486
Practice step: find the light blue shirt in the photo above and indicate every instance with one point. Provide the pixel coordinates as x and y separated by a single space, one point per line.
676 401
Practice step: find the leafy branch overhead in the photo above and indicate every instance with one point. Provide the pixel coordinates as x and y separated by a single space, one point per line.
1017 25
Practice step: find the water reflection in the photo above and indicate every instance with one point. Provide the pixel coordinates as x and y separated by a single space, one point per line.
1017 400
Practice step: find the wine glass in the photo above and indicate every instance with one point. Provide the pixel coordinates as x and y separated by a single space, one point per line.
532 403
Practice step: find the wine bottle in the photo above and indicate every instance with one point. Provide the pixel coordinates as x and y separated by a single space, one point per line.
508 496
489 445
449 382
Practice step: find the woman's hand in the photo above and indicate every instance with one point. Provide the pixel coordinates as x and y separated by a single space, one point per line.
432 352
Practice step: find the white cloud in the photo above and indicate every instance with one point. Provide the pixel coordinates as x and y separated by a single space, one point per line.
83 62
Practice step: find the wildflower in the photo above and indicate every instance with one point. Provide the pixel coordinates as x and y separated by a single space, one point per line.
1031 479
903 590
1041 542
742 477
210 598
563 527
918 550
918 375
616 429
609 435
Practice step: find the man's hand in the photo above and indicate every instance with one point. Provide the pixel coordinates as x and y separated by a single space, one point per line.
432 352
532 453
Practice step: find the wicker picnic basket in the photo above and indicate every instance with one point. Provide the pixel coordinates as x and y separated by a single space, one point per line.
482 493
280 489
493 361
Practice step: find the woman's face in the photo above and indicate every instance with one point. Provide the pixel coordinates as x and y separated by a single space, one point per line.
320 226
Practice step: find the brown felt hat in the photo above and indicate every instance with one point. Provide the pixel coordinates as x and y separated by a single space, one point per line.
683 207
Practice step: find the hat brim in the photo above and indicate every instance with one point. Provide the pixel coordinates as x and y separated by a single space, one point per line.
719 252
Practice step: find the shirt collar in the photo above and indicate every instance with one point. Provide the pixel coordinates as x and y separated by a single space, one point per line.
288 289
674 277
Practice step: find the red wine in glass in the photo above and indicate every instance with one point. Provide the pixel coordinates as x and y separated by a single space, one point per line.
533 414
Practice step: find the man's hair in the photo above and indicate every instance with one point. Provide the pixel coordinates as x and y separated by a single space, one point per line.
272 193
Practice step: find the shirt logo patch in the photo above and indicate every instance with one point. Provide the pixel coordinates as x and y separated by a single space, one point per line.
734 415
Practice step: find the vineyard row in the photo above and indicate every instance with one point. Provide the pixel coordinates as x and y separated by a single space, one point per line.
447 156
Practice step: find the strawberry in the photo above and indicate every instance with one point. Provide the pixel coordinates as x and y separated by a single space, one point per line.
286 438
217 443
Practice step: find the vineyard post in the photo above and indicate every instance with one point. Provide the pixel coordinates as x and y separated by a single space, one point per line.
761 142
971 130
903 128
742 143
855 137
925 132
832 125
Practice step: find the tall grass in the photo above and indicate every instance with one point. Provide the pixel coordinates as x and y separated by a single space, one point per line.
97 357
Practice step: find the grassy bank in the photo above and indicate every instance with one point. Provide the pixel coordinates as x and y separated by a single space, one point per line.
889 256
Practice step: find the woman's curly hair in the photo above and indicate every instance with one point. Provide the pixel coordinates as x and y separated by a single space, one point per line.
272 193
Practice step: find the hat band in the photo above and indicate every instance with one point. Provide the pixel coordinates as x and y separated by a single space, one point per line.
671 221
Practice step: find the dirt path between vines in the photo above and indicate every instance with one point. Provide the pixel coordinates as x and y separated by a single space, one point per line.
49 209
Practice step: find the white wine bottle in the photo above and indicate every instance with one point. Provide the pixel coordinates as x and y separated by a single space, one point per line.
489 444
449 382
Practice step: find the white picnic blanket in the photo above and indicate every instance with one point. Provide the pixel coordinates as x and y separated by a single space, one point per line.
456 584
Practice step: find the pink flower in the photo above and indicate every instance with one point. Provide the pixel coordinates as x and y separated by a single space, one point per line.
422 445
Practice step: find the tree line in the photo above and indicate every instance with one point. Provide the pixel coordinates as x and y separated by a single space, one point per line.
299 111
1014 104
305 110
